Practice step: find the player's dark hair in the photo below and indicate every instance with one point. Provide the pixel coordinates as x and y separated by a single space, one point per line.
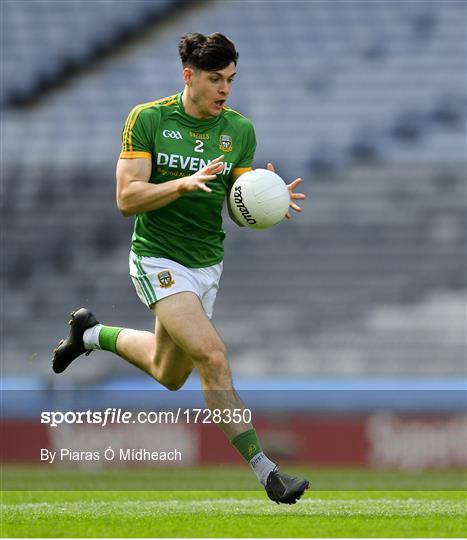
209 53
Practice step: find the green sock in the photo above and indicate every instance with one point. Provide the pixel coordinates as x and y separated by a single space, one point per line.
108 338
247 444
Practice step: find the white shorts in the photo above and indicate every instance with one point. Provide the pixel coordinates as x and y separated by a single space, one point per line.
155 278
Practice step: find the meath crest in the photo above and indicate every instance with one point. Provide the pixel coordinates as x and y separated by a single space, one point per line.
226 143
165 279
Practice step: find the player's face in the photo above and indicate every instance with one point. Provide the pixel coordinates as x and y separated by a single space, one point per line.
208 90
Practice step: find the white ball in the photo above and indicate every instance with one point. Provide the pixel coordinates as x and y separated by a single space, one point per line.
259 199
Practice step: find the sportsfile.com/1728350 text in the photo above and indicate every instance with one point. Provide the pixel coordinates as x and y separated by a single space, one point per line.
113 415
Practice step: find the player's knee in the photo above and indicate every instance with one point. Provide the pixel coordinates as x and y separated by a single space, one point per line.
173 386
213 363
172 383
172 380
215 357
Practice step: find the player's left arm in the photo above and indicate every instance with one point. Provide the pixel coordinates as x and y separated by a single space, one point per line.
293 196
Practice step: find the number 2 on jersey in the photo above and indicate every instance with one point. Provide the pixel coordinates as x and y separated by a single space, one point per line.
199 146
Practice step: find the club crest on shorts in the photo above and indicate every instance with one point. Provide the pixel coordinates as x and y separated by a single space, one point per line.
226 143
165 279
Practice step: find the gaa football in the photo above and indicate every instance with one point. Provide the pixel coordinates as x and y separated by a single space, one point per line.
259 199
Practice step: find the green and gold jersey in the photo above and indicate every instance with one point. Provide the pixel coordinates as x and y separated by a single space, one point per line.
189 229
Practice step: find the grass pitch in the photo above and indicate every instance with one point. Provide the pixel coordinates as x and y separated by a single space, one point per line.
326 513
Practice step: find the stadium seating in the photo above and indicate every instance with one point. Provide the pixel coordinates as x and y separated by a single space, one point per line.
43 41
365 101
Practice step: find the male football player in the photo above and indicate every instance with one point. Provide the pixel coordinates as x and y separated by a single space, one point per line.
180 156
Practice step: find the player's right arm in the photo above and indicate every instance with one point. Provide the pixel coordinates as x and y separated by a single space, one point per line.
135 194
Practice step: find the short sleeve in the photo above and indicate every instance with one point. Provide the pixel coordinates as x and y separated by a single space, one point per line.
246 160
137 141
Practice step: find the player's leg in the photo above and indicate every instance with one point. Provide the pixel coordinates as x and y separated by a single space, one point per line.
189 340
184 337
156 354
156 279
185 320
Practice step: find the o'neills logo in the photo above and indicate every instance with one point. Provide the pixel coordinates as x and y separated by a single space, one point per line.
238 199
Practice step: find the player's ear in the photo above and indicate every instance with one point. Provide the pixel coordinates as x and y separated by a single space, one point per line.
187 75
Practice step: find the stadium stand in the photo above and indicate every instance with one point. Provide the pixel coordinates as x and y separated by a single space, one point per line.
364 100
38 52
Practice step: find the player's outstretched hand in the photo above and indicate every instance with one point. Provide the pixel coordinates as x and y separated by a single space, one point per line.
293 196
198 180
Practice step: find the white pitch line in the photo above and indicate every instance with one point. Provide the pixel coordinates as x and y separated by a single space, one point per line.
307 507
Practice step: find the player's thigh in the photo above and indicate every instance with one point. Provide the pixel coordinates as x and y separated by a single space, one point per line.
169 356
183 317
